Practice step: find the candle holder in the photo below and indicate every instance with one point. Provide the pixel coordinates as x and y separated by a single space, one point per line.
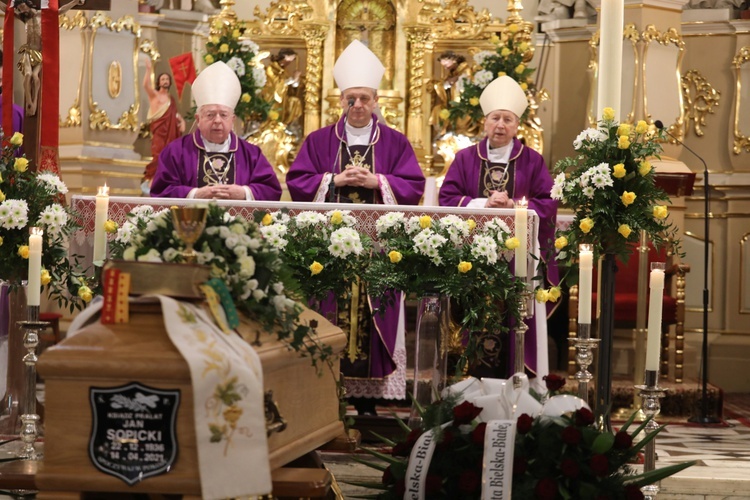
520 334
189 223
651 406
585 346
29 417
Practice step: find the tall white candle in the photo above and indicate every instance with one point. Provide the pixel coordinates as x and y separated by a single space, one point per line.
609 87
655 300
35 266
522 217
585 277
100 236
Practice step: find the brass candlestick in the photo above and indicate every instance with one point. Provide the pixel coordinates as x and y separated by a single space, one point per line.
189 223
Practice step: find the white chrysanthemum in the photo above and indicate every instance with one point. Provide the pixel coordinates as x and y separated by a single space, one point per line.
170 255
52 183
53 218
590 134
457 228
480 56
498 227
249 46
556 193
428 243
125 232
237 65
344 242
389 220
412 225
281 217
589 191
585 179
307 219
259 77
484 247
482 78
14 214
601 180
274 235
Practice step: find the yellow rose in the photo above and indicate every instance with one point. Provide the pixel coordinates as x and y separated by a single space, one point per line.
224 48
524 85
85 293
505 52
623 142
554 293
267 220
213 39
16 139
512 243
660 212
21 165
618 171
608 114
236 34
542 295
208 58
641 127
45 278
495 39
425 221
523 46
315 268
472 224
336 218
1 241
628 198
110 226
2 197
501 73
561 242
586 224
513 28
464 267
624 230
623 129
273 115
520 68
474 101
444 114
644 168
23 251
246 97
395 256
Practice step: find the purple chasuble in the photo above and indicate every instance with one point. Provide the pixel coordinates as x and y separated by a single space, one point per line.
181 161
532 180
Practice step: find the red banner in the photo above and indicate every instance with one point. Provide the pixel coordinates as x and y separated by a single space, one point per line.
49 113
8 51
183 69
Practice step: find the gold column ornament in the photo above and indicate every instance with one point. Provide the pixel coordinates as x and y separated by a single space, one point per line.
226 17
419 38
514 12
741 139
700 99
314 34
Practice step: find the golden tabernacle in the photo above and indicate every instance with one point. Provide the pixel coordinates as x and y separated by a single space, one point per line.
301 404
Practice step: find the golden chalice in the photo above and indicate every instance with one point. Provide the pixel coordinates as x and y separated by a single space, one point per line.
189 223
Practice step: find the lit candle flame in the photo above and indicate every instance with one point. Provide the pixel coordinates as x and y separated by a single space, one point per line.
523 202
103 190
36 231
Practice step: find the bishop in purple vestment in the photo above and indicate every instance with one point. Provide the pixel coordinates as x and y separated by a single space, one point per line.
359 160
500 170
212 162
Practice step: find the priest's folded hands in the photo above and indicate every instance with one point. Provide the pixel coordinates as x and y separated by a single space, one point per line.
356 176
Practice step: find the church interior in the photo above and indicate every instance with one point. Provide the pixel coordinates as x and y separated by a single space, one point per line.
684 63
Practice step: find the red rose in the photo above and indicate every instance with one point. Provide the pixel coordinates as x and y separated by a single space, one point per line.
400 488
523 425
519 465
465 413
433 484
413 436
546 489
554 382
584 417
623 441
387 475
477 435
633 492
571 435
448 438
599 465
570 468
469 481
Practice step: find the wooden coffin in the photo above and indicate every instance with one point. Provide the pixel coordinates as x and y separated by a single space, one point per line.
113 355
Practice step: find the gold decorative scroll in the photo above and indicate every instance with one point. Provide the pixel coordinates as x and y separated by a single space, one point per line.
700 99
148 47
314 35
79 21
670 37
455 19
98 118
741 140
282 18
418 38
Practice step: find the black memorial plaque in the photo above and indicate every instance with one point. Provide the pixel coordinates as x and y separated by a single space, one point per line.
133 430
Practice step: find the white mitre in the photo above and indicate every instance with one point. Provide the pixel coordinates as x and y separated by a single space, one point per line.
357 66
217 84
503 93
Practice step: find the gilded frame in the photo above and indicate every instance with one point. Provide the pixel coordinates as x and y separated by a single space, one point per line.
73 116
739 63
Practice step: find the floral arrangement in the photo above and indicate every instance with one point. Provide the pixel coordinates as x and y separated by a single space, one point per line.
513 51
243 56
234 248
33 199
453 257
610 186
324 251
554 457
